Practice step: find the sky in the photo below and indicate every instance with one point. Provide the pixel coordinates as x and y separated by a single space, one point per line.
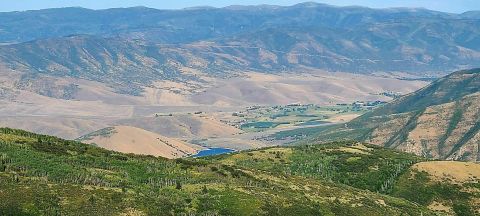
452 6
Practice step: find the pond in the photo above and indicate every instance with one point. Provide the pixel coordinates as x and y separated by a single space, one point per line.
213 151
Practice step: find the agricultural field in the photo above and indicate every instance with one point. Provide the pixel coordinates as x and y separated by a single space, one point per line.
263 126
261 118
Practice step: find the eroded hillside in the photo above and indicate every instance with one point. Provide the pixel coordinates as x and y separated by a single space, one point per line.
439 121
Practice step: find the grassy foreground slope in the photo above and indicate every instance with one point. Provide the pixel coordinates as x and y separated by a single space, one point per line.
447 187
440 121
43 175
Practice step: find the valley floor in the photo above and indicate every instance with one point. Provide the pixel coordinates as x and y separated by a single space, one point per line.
246 111
95 106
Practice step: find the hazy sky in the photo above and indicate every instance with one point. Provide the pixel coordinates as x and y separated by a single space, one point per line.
455 6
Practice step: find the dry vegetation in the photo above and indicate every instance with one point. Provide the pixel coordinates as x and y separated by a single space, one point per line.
128 139
441 121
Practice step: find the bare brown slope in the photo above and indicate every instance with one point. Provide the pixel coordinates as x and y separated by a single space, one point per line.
455 171
441 121
441 131
183 126
316 87
447 131
138 141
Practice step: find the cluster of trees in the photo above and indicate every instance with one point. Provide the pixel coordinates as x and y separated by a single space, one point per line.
376 169
43 175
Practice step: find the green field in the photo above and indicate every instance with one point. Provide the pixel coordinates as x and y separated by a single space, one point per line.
264 118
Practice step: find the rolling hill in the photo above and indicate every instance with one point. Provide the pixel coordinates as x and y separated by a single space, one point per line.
440 121
138 141
183 126
89 179
44 175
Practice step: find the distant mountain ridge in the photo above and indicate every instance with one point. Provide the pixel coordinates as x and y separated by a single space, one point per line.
59 22
219 41
471 14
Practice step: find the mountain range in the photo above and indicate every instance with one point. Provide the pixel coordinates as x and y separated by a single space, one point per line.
130 48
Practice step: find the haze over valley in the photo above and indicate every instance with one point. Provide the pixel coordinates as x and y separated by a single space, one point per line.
308 109
83 75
